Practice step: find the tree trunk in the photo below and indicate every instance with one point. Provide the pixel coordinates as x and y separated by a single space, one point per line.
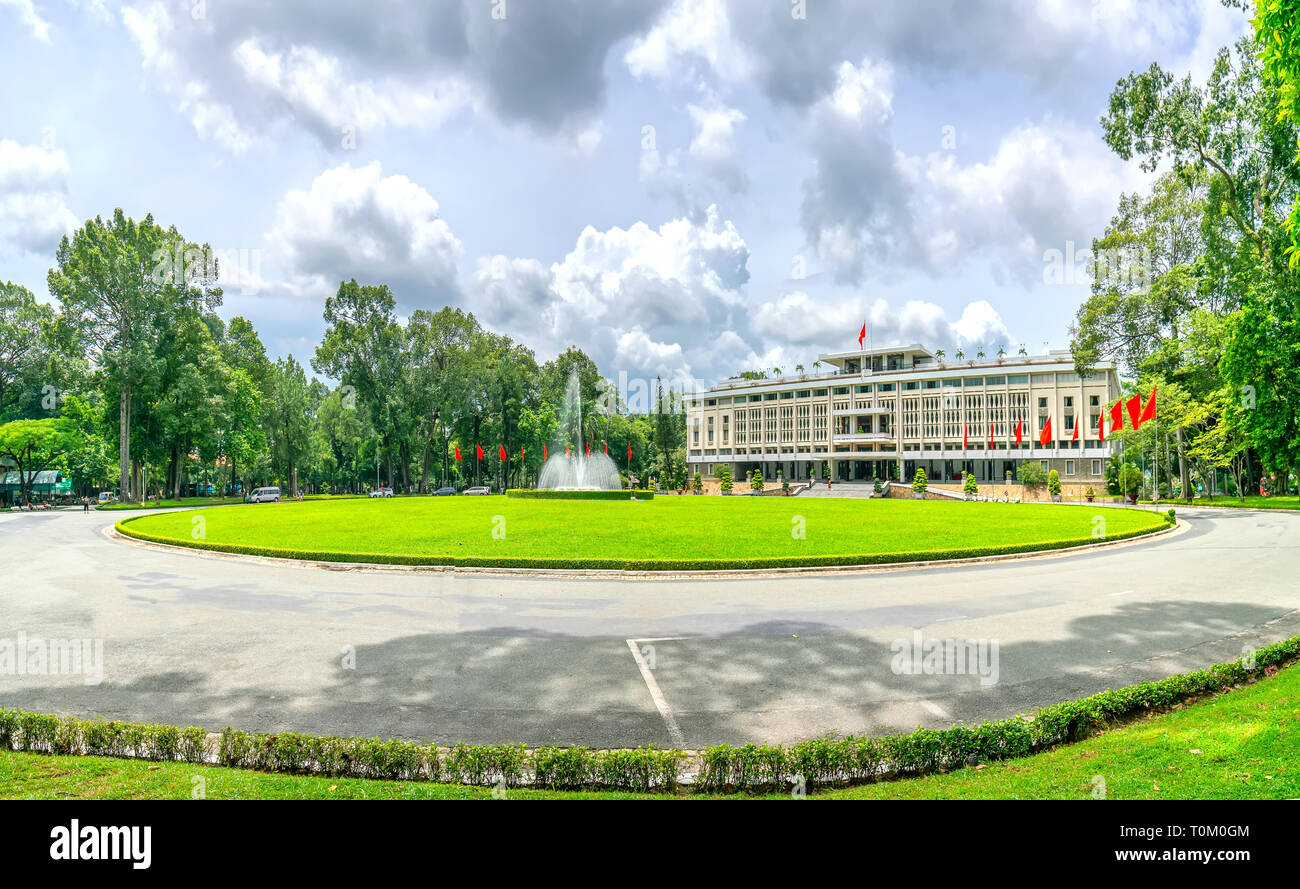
124 443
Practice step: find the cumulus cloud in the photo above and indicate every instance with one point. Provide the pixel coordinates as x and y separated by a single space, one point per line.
641 300
34 212
336 64
869 207
793 60
357 222
708 170
807 325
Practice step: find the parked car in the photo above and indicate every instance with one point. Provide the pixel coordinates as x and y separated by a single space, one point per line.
381 492
480 489
444 492
264 495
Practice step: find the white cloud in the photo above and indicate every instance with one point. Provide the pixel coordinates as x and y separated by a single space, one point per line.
28 15
34 212
637 299
802 324
356 222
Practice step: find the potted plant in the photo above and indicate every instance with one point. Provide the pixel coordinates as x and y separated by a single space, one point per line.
724 480
697 486
1089 494
756 481
1054 485
970 487
876 489
919 484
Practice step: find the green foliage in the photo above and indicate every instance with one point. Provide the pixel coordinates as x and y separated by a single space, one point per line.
969 486
1031 473
756 480
724 478
1054 483
820 762
920 482
1130 479
697 484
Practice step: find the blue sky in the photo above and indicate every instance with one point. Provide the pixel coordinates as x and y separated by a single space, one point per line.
685 188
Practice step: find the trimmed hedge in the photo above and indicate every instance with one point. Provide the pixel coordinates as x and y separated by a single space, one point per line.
448 561
536 494
723 768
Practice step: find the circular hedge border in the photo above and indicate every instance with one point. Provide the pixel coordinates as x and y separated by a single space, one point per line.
615 564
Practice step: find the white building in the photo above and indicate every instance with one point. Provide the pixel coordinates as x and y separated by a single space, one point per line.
881 413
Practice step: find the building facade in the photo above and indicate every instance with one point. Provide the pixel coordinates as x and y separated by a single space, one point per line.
881 413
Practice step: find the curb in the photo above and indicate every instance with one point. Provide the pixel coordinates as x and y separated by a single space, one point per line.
111 532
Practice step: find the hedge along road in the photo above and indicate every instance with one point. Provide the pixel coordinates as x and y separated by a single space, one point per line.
193 639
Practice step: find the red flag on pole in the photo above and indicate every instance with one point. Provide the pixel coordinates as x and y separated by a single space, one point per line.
478 448
990 436
1117 417
521 453
1076 430
1149 412
862 335
1046 435
1134 406
543 453
606 449
457 452
587 445
1019 435
629 452
566 449
1101 428
965 431
501 451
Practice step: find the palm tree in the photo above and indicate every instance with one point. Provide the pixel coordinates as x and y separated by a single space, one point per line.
1002 353
960 354
940 354
777 371
1024 353
799 368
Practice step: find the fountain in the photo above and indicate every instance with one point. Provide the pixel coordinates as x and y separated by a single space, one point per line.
578 472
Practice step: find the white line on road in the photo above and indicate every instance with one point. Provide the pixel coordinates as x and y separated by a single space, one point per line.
656 694
935 709
1122 593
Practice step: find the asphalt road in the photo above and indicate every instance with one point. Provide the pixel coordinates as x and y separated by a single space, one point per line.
195 640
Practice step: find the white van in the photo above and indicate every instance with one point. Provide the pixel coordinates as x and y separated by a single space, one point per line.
264 495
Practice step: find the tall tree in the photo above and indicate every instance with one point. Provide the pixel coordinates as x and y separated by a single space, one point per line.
112 279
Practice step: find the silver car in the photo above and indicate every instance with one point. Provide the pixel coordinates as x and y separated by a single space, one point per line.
264 495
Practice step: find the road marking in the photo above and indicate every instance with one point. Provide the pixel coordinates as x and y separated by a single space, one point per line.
656 694
1122 593
935 709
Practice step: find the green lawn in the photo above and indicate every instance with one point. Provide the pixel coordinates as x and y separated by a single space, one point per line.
668 532
1252 502
168 503
1244 744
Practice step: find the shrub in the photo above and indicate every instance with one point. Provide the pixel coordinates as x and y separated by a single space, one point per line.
563 768
877 488
1054 483
920 482
756 481
1031 473
1130 479
697 484
724 478
1171 516
970 486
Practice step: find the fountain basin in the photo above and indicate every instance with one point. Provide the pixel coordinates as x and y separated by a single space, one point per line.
577 494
